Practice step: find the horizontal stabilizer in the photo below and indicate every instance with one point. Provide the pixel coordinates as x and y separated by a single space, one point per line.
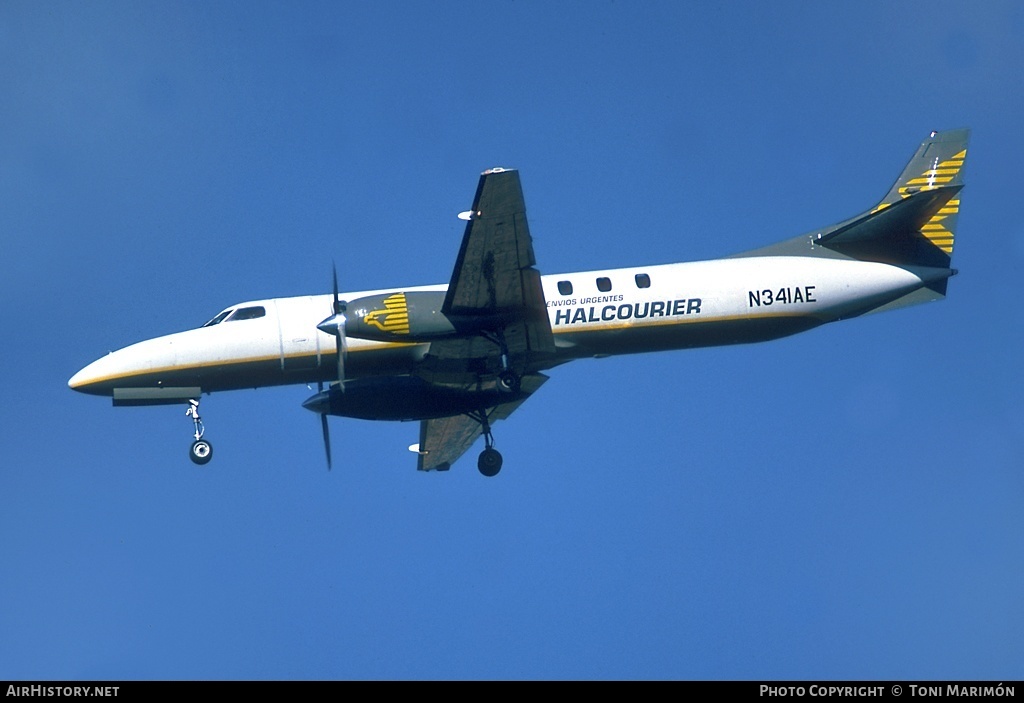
900 233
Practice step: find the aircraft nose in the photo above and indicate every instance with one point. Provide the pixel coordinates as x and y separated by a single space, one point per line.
100 377
319 403
87 378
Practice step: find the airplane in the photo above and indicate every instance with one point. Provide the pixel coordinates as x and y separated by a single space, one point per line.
461 356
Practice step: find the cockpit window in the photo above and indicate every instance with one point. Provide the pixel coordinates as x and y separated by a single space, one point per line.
231 315
248 313
218 319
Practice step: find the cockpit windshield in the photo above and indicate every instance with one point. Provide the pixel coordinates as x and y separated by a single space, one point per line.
218 319
232 315
248 313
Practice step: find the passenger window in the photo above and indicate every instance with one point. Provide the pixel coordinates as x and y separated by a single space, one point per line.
604 284
565 287
643 280
248 313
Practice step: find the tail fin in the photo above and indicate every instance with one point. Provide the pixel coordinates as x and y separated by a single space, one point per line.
937 165
913 225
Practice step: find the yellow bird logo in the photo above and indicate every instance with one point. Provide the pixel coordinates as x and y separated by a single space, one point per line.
394 318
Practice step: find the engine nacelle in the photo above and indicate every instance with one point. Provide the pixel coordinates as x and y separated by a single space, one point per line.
404 398
399 317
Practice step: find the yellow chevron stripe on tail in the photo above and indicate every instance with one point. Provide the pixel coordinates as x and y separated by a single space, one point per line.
939 229
938 164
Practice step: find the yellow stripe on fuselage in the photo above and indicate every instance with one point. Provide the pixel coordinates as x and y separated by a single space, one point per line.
182 368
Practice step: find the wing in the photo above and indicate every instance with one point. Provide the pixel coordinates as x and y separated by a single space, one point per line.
495 298
444 440
494 291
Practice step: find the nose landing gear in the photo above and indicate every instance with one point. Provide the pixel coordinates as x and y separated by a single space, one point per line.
201 451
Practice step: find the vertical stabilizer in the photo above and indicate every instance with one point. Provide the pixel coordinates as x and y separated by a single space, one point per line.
937 166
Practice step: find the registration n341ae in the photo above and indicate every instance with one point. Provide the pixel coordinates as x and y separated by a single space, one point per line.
460 356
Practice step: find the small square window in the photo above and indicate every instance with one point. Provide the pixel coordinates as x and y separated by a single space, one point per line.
604 284
643 280
565 287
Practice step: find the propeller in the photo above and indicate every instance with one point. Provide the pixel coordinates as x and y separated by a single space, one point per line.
323 426
335 324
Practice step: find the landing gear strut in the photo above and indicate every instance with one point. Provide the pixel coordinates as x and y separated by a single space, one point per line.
201 451
508 379
490 459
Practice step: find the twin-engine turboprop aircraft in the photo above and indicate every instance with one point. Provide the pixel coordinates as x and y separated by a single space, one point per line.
460 356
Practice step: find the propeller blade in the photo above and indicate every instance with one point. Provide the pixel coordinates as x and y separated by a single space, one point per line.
334 273
342 353
323 426
335 324
327 438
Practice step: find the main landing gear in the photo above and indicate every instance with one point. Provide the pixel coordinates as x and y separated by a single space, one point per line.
508 379
201 451
489 462
490 459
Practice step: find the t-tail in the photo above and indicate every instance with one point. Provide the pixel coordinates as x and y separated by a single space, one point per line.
919 212
914 226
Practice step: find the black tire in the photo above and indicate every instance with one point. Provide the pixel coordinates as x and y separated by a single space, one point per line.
201 452
489 462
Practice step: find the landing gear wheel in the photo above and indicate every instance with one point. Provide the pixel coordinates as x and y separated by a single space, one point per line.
489 462
509 381
202 451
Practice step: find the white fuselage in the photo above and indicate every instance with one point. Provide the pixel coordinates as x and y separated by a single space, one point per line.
593 313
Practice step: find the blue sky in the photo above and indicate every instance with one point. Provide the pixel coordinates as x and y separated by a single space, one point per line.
845 503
